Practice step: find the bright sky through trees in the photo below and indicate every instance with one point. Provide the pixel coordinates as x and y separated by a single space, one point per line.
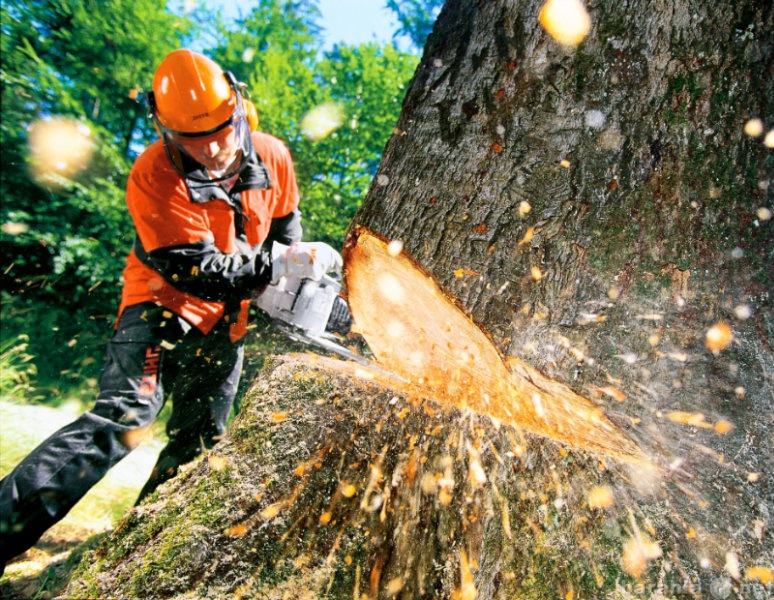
349 21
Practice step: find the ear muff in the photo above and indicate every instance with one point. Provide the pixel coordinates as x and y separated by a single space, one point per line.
251 114
150 100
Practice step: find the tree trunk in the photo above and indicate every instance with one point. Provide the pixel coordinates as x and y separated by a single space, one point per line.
599 210
629 153
605 217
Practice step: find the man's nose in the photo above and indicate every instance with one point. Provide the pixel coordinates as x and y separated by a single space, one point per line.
212 149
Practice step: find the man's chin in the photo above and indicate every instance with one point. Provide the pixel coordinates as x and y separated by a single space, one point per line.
220 165
212 165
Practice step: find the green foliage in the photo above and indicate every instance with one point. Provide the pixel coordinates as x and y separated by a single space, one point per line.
367 83
65 59
66 233
273 50
74 59
16 367
63 350
276 51
416 18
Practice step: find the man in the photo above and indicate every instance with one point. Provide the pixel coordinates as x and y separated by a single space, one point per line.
215 208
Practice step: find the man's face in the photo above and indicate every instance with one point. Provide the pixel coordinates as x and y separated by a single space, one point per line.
216 152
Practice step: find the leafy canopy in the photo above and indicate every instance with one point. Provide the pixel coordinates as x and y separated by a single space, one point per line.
416 18
65 236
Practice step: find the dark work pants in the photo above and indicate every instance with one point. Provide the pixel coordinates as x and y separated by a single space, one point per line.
154 355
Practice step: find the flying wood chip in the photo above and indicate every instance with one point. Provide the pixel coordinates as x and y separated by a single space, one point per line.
419 334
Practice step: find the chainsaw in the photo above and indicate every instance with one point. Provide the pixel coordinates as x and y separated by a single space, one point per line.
310 312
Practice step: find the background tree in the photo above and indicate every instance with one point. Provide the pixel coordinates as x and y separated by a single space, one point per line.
66 232
416 18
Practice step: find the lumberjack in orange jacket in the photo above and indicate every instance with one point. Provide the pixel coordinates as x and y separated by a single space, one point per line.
216 213
195 246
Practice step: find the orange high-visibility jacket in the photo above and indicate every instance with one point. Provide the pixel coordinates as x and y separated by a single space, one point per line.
201 251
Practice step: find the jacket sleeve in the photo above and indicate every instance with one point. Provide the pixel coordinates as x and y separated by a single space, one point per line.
200 269
285 230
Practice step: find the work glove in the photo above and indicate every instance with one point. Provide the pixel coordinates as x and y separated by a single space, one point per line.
305 260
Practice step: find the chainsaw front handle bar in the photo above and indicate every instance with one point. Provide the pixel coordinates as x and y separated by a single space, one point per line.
305 260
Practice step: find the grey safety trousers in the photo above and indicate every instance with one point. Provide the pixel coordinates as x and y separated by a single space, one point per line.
153 356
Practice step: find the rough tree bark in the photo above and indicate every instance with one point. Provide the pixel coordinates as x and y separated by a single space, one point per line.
597 210
661 183
622 172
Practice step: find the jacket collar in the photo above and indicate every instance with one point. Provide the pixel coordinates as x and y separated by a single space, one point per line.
252 176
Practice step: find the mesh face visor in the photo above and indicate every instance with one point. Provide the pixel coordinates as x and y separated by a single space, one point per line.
186 150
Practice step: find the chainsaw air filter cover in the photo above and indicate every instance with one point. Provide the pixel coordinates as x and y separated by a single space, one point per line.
303 304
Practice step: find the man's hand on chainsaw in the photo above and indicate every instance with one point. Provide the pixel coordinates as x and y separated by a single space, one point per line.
305 260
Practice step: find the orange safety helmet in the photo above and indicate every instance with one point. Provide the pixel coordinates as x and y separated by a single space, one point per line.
193 98
192 94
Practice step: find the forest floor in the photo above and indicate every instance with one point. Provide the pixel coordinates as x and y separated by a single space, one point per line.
44 570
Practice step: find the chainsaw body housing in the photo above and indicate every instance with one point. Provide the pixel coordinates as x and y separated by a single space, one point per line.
304 305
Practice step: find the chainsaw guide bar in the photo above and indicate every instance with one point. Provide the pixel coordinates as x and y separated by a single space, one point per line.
325 341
